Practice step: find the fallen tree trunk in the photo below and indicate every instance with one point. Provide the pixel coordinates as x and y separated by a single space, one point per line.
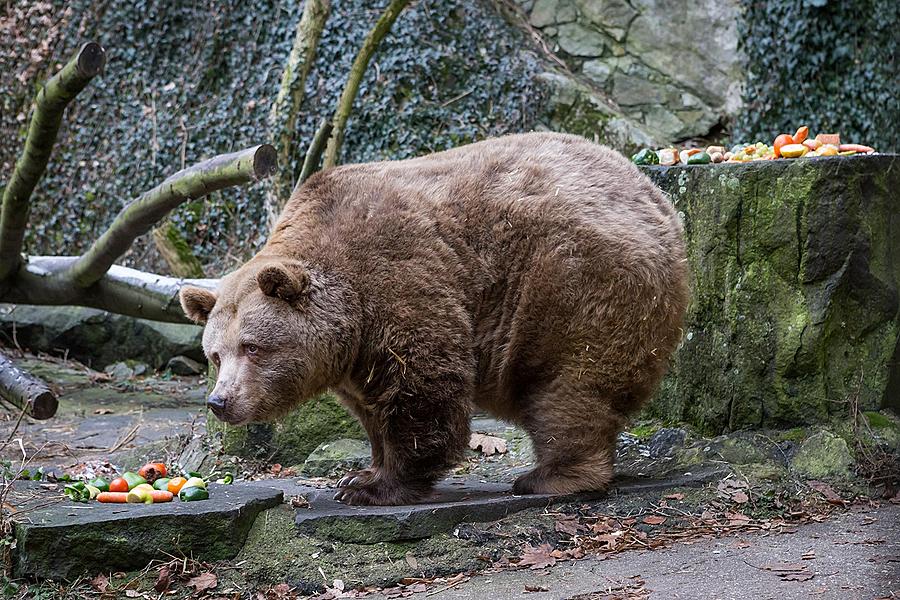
138 218
25 391
176 251
357 70
49 105
120 290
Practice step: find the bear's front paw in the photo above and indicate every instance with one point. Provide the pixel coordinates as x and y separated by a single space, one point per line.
361 477
378 493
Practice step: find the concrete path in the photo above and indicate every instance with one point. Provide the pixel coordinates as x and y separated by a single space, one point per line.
855 555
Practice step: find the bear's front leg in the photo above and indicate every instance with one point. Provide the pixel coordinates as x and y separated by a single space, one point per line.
423 430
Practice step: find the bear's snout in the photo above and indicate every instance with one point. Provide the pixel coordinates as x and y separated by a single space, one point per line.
216 404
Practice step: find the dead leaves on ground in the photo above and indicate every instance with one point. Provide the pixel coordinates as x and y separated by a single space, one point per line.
788 571
487 444
735 490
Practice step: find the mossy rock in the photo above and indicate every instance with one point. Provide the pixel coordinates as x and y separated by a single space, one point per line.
824 456
292 438
795 277
337 457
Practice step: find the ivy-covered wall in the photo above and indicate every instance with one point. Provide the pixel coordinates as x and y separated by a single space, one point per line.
198 78
829 64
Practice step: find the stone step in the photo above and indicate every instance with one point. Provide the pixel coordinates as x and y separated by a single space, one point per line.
60 539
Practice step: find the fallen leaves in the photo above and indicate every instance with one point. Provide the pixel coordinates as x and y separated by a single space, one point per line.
488 444
733 490
788 571
537 558
653 520
100 583
828 492
203 582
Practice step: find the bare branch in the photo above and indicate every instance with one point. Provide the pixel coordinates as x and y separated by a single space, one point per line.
176 251
121 290
360 64
283 118
314 152
25 391
138 218
49 105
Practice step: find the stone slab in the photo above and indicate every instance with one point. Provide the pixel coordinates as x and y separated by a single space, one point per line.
455 500
60 539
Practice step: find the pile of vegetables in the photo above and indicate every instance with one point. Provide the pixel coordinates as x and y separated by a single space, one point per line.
149 485
784 146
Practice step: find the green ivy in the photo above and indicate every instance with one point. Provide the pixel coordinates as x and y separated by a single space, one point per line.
198 78
829 64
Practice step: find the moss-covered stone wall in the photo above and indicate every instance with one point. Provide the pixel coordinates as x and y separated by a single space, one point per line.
796 271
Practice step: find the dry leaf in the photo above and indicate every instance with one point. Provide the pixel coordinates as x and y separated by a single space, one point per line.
609 540
163 581
740 497
100 583
570 526
537 558
654 520
411 561
203 582
678 496
823 488
488 444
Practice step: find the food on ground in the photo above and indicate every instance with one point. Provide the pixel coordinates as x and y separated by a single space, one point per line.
228 479
153 471
119 484
826 150
195 482
133 479
801 135
645 157
829 138
793 150
175 484
855 148
781 141
94 491
77 492
113 497
701 158
99 483
757 151
162 483
193 493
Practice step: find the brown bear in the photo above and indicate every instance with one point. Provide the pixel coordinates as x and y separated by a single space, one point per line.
539 277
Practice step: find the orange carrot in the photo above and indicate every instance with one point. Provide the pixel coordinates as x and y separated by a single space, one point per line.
801 134
161 496
116 497
855 148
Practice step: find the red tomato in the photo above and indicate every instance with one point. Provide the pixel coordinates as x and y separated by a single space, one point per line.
782 140
118 485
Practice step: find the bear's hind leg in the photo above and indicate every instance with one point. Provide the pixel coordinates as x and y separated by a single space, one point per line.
575 444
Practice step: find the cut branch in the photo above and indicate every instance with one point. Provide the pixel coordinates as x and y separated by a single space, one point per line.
314 152
49 105
25 391
138 218
121 290
360 64
283 118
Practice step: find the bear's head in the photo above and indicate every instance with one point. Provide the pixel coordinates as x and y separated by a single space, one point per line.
277 332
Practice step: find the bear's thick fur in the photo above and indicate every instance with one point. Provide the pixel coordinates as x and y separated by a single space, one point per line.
539 277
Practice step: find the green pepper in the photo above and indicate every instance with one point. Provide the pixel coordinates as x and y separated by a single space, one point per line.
99 483
189 474
701 158
228 479
77 492
133 480
161 483
645 157
191 494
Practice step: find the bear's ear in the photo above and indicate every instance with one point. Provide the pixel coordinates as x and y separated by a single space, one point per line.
287 281
197 303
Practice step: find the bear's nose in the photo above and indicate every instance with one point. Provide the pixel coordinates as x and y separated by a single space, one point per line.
216 403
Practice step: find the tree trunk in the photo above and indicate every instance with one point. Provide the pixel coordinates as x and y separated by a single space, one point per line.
25 391
176 251
49 105
138 218
314 152
360 64
283 118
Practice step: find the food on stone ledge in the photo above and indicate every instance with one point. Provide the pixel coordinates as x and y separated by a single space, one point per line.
645 157
133 480
161 484
793 150
193 493
175 484
152 471
701 158
119 484
99 483
113 497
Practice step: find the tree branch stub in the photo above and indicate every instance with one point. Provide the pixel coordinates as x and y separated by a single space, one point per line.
25 391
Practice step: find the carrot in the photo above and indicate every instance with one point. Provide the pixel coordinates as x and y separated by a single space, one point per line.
115 497
855 148
161 496
801 134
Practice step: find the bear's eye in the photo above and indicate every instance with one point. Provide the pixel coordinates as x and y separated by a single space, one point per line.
215 359
251 349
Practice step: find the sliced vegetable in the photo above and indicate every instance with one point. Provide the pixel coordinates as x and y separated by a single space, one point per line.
138 496
191 494
143 486
645 157
829 138
701 158
827 150
175 484
118 485
93 491
195 482
812 144
133 479
228 479
153 471
801 135
113 497
99 483
793 150
781 141
77 492
162 483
